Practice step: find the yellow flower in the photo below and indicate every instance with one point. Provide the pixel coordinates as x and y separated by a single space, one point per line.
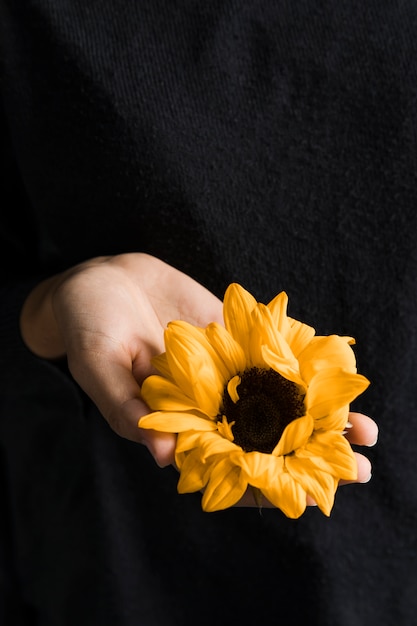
262 401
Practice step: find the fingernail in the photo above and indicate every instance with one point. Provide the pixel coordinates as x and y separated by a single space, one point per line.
373 443
367 480
348 426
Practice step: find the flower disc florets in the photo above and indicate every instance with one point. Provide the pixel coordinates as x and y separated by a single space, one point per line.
266 403
261 401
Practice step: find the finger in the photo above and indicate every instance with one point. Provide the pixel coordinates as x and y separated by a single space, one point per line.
160 445
363 432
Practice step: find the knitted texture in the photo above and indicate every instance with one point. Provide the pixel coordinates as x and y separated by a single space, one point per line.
268 143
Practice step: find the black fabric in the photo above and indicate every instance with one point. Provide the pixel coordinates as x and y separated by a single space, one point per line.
272 143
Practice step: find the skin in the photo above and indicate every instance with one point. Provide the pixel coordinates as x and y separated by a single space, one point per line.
107 316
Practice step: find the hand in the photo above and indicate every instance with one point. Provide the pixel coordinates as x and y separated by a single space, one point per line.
107 316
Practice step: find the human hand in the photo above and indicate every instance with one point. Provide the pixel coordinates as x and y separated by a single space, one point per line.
107 316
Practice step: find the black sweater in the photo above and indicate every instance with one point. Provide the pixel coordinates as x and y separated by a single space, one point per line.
271 143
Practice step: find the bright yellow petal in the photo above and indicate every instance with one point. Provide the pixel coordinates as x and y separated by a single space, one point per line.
320 485
213 443
330 452
334 421
299 336
208 444
187 440
325 352
332 389
192 366
182 347
229 351
286 494
259 469
232 386
160 362
194 474
225 429
161 394
264 333
283 367
237 309
225 486
180 459
171 422
295 435
278 310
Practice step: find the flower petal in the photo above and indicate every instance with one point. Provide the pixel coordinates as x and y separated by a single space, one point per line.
237 308
264 333
232 386
160 362
229 351
225 486
194 474
283 367
213 443
334 421
286 494
278 310
225 429
171 422
161 394
299 336
320 485
295 435
187 440
330 452
179 459
325 352
192 366
331 389
260 469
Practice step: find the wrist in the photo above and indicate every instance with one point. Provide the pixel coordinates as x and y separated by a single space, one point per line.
38 325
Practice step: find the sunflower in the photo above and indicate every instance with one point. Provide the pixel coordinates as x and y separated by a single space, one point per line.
261 401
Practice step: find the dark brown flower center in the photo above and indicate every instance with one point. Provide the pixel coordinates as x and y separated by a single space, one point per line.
267 403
